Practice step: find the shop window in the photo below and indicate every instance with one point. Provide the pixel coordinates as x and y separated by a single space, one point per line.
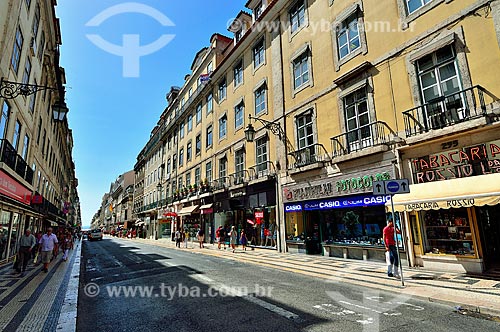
448 232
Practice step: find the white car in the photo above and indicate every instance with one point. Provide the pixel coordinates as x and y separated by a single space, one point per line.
95 234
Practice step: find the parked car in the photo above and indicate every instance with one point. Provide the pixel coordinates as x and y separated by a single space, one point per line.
95 234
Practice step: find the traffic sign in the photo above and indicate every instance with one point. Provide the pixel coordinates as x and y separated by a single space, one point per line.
391 187
378 188
401 186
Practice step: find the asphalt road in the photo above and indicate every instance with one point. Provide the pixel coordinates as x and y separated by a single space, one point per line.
132 286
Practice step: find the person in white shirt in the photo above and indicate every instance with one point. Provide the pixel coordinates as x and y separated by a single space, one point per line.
48 244
26 244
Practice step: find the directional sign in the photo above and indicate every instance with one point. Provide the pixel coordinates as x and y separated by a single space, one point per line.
391 187
378 188
400 186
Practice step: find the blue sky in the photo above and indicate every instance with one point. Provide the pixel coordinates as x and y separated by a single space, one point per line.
111 115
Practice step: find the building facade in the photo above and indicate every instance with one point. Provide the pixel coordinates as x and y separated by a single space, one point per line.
39 186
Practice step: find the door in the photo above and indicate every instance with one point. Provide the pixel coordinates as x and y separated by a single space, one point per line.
489 228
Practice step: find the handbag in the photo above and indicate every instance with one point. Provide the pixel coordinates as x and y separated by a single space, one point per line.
388 258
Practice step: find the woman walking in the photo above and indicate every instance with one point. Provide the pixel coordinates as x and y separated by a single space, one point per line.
233 235
243 240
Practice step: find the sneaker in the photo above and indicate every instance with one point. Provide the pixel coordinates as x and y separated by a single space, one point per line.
397 276
390 275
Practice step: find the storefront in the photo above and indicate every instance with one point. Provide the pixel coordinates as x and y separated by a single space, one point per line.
453 207
166 219
190 219
337 216
207 222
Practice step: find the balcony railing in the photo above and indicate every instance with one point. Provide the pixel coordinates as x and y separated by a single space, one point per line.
446 111
239 177
309 155
221 183
373 134
262 170
9 156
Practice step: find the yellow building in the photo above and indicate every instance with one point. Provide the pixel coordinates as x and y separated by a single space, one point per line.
341 94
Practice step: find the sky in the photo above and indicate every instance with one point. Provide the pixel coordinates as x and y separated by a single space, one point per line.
115 101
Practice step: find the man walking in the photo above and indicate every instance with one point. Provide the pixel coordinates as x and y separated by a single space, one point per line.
48 244
177 238
391 250
26 244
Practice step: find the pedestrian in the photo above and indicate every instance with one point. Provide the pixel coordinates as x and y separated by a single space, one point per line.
186 237
3 244
178 238
26 244
233 235
200 238
67 244
222 237
391 250
243 240
48 245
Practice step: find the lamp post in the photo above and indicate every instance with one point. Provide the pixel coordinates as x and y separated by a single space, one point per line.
159 188
277 130
59 111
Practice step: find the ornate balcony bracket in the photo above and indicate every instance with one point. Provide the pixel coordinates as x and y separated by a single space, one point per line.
10 90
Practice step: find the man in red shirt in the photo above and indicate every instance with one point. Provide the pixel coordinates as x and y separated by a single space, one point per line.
390 248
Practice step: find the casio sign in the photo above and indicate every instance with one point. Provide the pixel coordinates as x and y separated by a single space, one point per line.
292 208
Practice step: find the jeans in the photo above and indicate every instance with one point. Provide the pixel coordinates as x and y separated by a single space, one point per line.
394 260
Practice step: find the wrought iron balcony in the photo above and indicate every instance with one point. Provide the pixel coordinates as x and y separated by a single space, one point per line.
221 183
373 134
312 154
262 170
9 156
240 177
446 111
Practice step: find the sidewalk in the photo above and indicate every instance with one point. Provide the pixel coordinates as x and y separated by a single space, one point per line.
471 294
41 301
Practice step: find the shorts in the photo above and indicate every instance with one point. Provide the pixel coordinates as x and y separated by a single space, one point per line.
46 256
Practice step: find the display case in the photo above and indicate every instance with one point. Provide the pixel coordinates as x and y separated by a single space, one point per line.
448 232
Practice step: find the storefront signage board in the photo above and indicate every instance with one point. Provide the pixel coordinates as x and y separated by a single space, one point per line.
338 203
13 189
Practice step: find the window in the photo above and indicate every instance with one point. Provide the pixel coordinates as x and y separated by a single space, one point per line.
26 145
181 130
239 112
413 5
188 178
260 99
208 171
261 153
197 175
210 103
36 21
297 15
198 144
222 89
16 52
168 167
209 136
174 160
348 36
190 122
198 113
189 151
239 163
237 35
438 77
181 157
305 136
41 49
300 70
32 101
190 92
222 167
258 10
238 73
28 3
27 71
357 117
181 183
4 119
17 135
43 140
222 127
258 53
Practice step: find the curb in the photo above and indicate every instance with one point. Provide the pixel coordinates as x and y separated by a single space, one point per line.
67 318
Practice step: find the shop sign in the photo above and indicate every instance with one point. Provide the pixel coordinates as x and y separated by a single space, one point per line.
237 193
259 214
327 204
468 161
454 203
335 186
11 188
207 211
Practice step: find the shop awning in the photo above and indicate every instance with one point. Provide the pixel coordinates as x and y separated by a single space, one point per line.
455 193
185 211
206 206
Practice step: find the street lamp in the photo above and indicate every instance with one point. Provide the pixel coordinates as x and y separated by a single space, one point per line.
10 90
277 130
60 110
